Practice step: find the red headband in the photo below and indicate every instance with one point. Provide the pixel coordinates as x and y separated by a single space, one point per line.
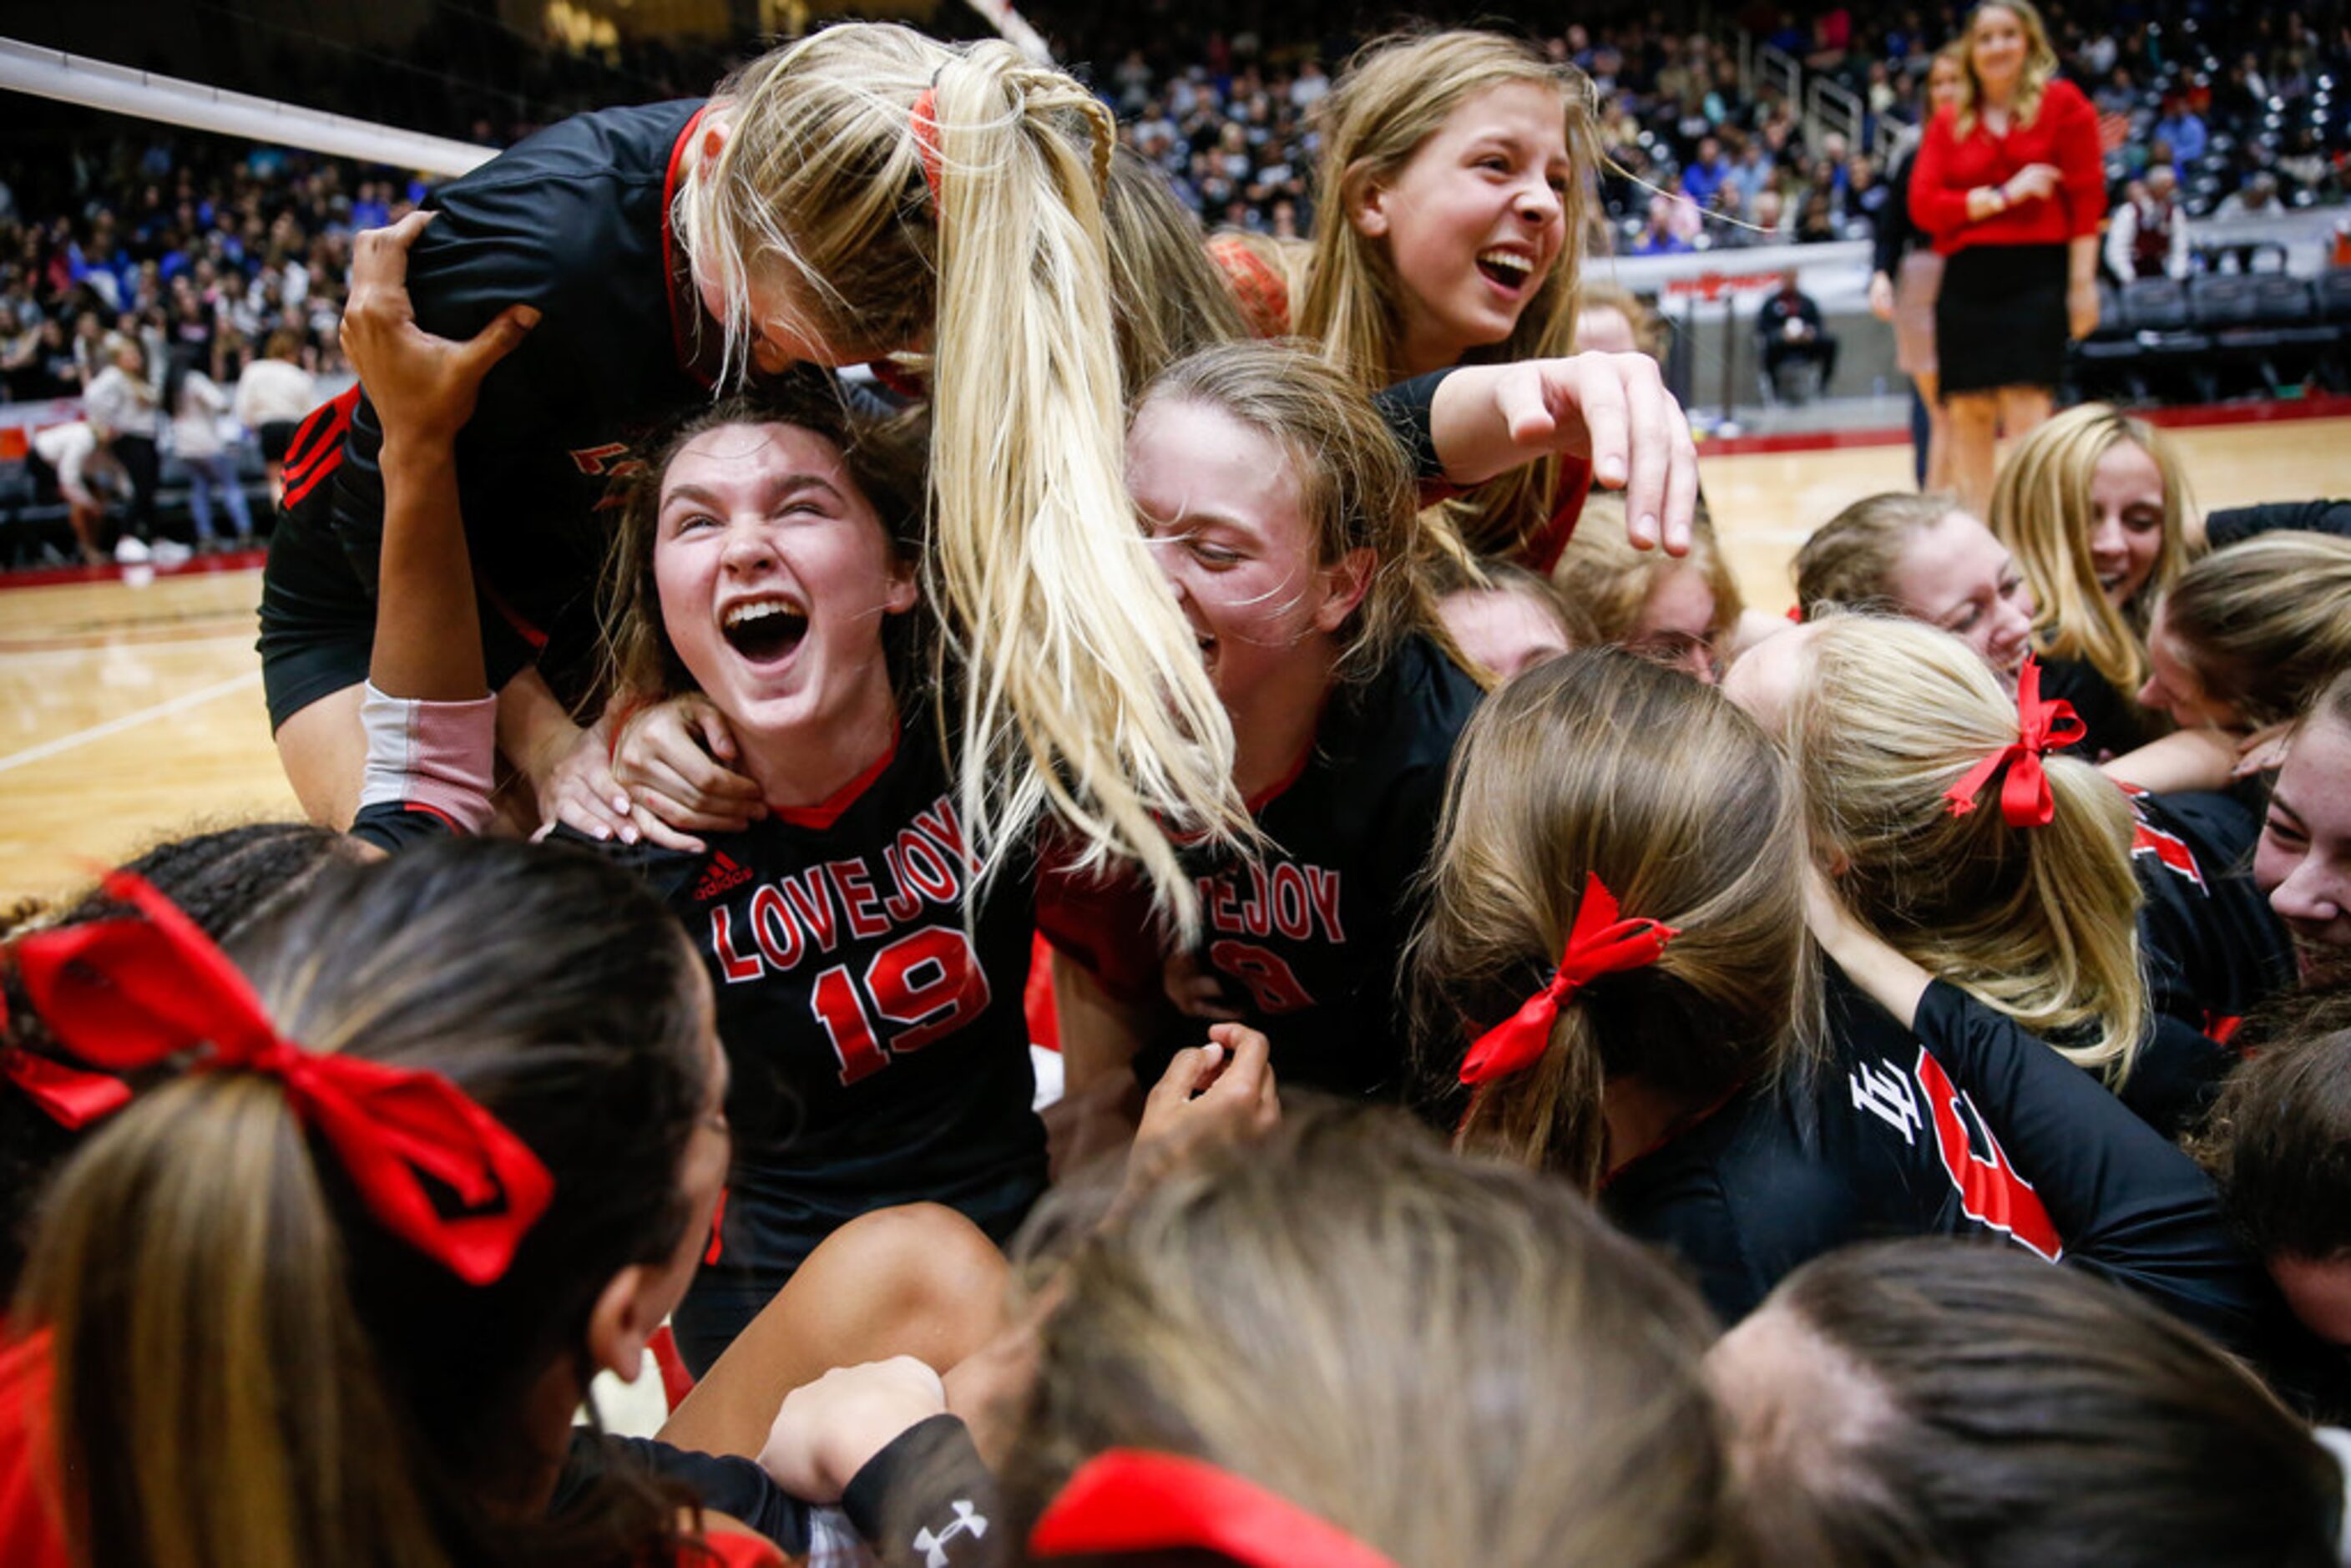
925 119
1125 1500
2042 727
1599 943
129 994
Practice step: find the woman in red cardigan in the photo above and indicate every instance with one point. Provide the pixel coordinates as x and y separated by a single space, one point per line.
2010 185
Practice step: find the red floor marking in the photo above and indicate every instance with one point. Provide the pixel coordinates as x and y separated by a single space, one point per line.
46 576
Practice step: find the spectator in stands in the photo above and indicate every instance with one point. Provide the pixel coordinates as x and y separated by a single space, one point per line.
273 397
1659 235
197 406
125 409
71 464
2148 236
2183 129
1818 222
2257 198
1791 333
1706 172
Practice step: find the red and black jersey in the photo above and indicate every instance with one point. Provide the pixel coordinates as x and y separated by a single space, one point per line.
878 1050
1306 934
574 221
1969 1127
2215 947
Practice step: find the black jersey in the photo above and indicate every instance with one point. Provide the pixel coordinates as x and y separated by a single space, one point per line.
2234 525
1970 1127
1306 934
2214 947
2116 724
879 1049
574 221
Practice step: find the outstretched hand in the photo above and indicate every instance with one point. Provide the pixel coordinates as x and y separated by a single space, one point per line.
424 387
1610 408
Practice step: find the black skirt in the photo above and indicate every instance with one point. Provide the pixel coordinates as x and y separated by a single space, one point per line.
1999 319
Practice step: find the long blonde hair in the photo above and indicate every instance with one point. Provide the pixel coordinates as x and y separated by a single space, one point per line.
2040 923
1255 1311
1083 693
1397 92
2040 511
2040 64
2265 624
1600 762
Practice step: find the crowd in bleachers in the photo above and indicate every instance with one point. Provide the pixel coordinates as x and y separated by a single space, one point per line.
2245 108
201 248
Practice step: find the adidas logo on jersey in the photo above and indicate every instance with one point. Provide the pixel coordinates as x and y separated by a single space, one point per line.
723 873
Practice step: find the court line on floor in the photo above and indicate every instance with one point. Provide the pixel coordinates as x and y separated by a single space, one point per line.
116 726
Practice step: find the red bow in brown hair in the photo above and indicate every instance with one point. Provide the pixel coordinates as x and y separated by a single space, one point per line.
925 117
129 994
1125 1500
1598 944
2042 727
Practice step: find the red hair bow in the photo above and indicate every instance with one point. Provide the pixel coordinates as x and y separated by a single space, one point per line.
2042 727
1600 943
128 994
1125 1500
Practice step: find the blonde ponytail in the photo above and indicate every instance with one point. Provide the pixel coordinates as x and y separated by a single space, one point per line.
1083 691
2039 923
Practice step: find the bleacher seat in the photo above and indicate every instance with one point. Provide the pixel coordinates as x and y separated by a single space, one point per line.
2174 354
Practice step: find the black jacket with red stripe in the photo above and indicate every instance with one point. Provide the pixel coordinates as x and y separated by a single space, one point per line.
574 221
1969 1126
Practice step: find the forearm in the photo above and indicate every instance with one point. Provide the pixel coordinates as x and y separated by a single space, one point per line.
2184 761
1100 1034
534 728
2081 261
428 639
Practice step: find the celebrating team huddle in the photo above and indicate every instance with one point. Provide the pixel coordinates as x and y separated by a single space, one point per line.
1552 1070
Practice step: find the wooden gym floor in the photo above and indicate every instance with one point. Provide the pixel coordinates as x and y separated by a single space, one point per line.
132 713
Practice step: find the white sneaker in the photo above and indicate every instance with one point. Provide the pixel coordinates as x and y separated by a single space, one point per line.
169 553
132 550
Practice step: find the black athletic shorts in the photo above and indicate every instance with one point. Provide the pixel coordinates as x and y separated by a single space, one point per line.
317 619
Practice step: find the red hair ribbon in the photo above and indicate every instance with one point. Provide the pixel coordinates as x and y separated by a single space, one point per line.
2042 727
70 1096
925 119
128 994
1600 943
1125 1500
